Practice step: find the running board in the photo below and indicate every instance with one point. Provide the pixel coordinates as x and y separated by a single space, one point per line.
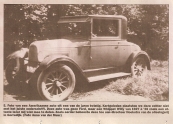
107 76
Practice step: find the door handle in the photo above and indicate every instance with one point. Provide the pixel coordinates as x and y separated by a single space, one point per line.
116 47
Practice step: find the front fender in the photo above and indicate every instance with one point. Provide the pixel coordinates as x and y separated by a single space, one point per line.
62 59
22 53
49 60
18 57
134 55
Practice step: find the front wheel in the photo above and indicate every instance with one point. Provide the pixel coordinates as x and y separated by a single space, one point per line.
56 83
139 67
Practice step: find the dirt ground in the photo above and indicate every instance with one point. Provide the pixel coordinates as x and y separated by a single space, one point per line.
91 92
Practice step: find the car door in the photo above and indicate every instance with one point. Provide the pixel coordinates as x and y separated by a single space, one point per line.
104 43
103 54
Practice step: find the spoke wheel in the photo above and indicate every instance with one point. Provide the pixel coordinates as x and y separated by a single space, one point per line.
139 67
56 83
12 71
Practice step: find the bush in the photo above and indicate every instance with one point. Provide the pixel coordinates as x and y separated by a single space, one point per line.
153 86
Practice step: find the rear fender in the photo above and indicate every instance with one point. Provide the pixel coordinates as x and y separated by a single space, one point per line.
134 55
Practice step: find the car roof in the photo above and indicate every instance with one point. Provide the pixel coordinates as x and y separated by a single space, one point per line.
85 18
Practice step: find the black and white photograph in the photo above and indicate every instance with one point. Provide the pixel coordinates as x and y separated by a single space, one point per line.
94 62
86 52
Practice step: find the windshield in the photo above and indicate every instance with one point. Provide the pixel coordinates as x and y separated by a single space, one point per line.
74 30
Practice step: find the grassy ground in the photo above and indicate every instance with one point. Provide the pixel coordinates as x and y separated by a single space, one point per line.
154 86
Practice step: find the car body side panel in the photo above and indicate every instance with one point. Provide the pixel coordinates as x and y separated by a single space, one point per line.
124 51
103 54
106 54
81 55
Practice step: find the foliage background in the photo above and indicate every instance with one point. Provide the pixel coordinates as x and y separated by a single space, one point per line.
148 25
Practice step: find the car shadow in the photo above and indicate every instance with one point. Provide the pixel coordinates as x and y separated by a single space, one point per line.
88 87
19 91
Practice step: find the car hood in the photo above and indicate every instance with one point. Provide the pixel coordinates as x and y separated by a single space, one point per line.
56 43
38 50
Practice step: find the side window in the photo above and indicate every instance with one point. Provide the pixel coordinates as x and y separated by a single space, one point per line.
103 27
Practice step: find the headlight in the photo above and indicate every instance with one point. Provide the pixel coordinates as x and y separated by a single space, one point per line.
33 52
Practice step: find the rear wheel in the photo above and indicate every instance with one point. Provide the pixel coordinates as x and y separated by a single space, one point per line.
56 83
139 67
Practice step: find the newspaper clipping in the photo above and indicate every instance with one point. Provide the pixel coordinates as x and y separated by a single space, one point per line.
98 62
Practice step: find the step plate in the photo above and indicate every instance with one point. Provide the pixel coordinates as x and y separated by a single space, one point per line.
107 76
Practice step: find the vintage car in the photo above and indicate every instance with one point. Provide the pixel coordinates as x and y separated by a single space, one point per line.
92 48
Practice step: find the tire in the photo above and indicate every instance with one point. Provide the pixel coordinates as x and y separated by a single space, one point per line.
56 83
139 67
12 72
